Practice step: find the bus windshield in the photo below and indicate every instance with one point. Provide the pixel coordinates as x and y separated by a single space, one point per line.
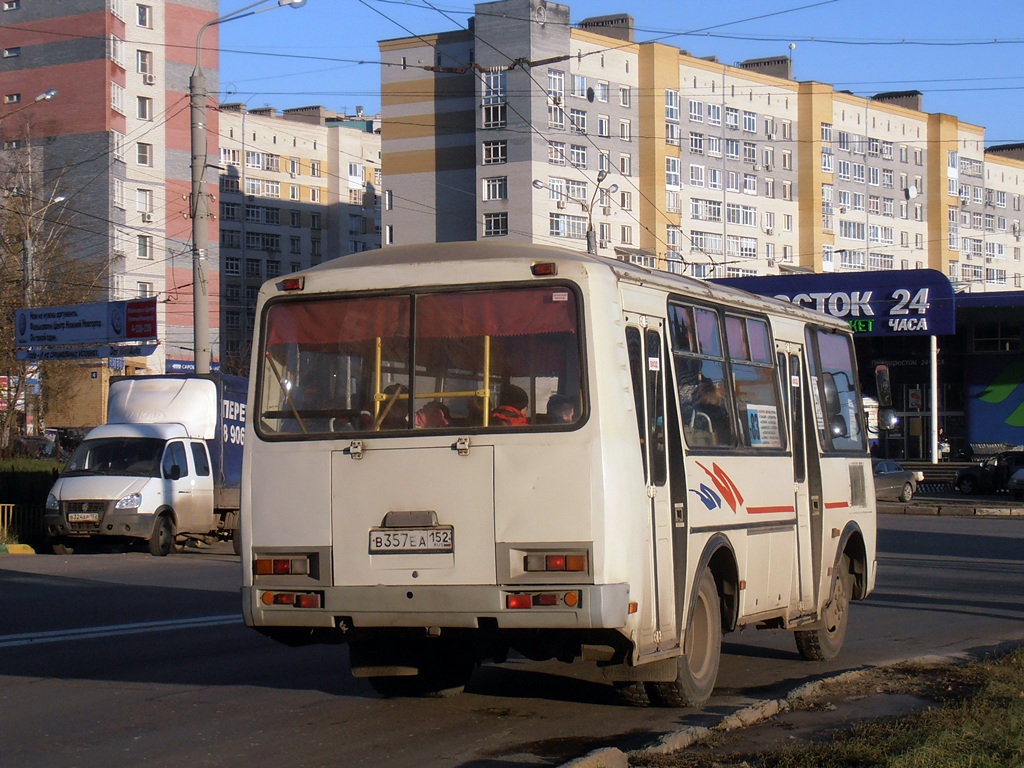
421 361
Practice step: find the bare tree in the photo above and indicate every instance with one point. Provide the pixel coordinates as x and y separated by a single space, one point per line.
36 269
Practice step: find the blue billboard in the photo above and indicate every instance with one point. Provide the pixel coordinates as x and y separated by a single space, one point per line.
907 302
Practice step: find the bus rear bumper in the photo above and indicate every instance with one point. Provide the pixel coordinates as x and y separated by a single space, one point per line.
603 606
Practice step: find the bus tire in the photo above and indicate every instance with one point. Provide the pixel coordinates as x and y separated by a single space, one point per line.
825 643
444 671
161 543
697 668
632 694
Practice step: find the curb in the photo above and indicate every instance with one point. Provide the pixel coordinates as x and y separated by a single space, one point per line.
16 549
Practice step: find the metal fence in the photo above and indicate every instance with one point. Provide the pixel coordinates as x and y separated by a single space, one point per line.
21 523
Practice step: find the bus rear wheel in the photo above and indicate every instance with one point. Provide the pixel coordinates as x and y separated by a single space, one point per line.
444 671
825 643
697 668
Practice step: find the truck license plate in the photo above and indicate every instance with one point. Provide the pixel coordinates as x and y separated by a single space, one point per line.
395 541
83 517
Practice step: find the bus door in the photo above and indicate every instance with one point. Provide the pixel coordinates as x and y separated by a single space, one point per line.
806 471
645 343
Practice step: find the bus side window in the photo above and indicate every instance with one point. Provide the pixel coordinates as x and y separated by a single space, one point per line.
635 350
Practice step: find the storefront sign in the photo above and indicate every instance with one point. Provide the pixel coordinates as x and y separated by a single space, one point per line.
912 302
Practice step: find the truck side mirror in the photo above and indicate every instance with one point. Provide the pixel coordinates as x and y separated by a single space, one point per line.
886 414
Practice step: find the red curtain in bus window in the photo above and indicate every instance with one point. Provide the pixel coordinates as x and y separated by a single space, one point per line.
513 312
325 323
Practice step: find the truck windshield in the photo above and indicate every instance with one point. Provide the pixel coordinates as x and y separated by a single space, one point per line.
135 456
455 360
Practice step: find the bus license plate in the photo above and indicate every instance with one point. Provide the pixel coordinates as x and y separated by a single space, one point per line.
83 517
393 541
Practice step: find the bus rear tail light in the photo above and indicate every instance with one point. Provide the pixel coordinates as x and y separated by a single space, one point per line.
281 566
524 600
576 563
295 599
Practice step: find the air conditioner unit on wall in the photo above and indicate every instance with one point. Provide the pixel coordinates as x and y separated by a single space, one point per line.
560 203
607 210
149 79
147 218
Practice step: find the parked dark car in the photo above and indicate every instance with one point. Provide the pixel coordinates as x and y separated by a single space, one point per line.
894 482
1015 484
992 474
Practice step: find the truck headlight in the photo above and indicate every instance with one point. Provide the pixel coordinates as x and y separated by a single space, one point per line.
131 501
51 502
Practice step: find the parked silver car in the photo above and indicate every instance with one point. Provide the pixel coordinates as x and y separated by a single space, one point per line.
894 482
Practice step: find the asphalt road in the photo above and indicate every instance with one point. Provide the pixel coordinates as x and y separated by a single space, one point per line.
110 660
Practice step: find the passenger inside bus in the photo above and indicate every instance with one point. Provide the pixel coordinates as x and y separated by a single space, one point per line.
512 405
561 410
433 415
394 408
707 413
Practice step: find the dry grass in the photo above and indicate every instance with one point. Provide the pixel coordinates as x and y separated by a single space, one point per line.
977 721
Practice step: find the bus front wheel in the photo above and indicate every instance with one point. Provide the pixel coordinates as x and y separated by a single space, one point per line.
825 643
697 668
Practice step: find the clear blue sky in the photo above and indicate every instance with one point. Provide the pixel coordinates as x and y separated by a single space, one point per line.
967 60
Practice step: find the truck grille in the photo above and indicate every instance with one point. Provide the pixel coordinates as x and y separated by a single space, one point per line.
78 507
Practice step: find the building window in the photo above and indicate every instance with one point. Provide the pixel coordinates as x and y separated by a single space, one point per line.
578 155
601 91
144 246
625 130
556 153
144 153
12 5
314 168
493 104
11 53
232 265
144 200
144 62
496 188
118 194
579 85
116 50
144 16
577 121
556 98
625 165
495 224
117 98
229 211
625 98
314 221
495 152
314 194
144 290
230 238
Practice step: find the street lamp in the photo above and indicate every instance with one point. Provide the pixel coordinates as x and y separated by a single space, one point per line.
588 207
200 210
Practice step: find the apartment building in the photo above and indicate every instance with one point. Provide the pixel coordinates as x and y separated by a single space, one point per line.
531 127
113 143
296 188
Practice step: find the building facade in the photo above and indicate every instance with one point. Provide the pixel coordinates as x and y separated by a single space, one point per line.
296 188
114 141
529 127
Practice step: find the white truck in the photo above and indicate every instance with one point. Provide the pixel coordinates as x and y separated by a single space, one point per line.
165 467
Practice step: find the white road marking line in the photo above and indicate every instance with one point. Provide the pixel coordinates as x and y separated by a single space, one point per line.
85 633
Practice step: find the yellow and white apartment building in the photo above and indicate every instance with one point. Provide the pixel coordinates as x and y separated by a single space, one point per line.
526 126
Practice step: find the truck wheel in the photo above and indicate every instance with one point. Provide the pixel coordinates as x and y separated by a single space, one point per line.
62 547
697 668
236 541
161 543
968 485
824 644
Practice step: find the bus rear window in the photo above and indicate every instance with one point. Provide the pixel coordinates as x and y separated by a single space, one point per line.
429 361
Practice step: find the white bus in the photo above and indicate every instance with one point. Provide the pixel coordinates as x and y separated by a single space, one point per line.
455 451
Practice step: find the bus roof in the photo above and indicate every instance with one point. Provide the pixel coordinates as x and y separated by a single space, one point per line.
473 252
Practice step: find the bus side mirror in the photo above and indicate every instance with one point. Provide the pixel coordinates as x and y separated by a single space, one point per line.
837 425
886 413
883 385
832 405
